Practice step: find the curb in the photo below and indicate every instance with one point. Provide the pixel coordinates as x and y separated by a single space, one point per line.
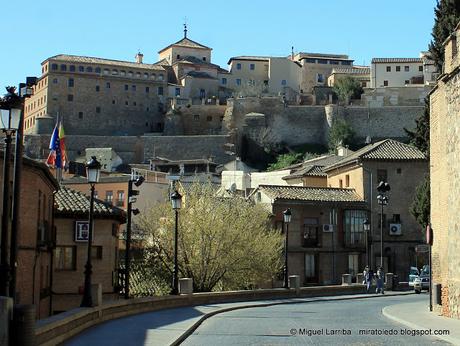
195 325
411 325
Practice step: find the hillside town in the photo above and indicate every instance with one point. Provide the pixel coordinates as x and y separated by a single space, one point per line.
127 183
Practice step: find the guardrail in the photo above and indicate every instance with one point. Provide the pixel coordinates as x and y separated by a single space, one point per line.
59 328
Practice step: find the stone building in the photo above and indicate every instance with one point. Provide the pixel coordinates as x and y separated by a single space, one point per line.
326 237
70 254
127 97
404 167
400 72
35 236
317 67
361 73
445 178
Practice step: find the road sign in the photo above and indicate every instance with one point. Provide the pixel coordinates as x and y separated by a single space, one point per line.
422 248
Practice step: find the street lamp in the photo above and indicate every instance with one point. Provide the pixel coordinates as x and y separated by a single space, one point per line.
367 229
287 219
176 201
93 170
10 119
131 199
382 199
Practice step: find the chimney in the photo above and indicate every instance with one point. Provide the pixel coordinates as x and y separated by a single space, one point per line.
139 57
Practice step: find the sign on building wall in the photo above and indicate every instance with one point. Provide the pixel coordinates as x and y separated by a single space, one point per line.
82 231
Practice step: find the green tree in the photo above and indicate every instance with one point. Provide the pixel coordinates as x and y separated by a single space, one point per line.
340 133
346 88
447 16
285 160
420 207
420 137
224 243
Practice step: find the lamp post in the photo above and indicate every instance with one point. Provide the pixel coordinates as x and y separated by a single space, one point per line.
93 169
367 229
131 199
287 219
382 200
176 201
10 118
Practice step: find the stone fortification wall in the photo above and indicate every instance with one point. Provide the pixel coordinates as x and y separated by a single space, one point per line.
136 149
296 125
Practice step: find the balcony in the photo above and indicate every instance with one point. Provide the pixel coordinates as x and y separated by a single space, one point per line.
355 240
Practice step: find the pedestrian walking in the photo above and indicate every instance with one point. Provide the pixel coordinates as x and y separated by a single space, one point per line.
366 269
369 277
380 280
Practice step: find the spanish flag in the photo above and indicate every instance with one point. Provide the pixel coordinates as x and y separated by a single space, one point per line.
57 156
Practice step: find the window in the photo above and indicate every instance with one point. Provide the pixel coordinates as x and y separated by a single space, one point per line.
113 101
204 58
96 252
81 69
322 61
153 76
130 73
353 264
382 175
97 70
122 73
126 103
98 88
347 180
310 232
54 67
72 68
126 87
388 68
346 62
89 69
396 218
107 85
340 183
70 97
319 78
238 66
353 226
80 115
385 83
133 87
160 77
333 62
310 267
420 68
196 117
209 118
63 67
398 170
283 82
406 68
224 81
310 60
120 198
70 83
177 92
134 103
238 81
398 68
55 81
109 197
146 75
252 67
160 90
138 74
147 89
406 82
65 257
98 109
178 56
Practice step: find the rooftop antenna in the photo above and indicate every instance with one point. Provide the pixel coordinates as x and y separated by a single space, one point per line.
185 27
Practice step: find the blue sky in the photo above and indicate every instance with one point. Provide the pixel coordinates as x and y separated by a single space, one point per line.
117 29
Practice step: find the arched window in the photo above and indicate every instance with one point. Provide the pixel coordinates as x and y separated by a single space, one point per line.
89 69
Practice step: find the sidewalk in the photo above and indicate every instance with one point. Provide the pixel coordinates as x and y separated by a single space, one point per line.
172 326
417 316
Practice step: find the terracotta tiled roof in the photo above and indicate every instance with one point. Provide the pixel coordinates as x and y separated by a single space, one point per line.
313 167
70 202
389 60
352 70
92 60
310 194
186 42
386 150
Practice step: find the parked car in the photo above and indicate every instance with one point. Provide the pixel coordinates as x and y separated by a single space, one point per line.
413 273
422 282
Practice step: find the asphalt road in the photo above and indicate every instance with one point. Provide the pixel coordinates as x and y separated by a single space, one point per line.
317 323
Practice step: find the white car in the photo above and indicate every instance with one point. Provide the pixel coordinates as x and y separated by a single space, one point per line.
422 282
413 273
